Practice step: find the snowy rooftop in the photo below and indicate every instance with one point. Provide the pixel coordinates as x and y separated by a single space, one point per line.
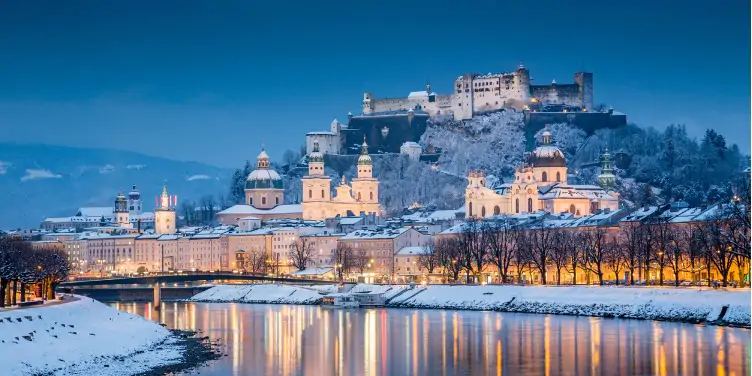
409 251
321 133
382 233
95 211
247 210
312 271
422 93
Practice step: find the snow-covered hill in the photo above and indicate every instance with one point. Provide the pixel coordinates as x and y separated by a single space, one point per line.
41 181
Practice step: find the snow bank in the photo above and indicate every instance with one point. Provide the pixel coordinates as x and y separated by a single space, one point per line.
686 305
260 293
82 337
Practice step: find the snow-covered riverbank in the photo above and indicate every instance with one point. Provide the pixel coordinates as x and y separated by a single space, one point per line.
669 304
83 337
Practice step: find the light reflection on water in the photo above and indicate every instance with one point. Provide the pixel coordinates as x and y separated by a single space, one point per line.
308 340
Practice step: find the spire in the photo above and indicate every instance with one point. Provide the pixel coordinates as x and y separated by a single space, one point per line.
606 177
546 135
428 88
364 147
262 161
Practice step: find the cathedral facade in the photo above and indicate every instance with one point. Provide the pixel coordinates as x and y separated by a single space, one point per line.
361 195
540 184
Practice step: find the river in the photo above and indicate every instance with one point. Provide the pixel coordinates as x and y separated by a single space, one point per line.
308 340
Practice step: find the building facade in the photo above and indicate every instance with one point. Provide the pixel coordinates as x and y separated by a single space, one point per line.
475 94
540 184
361 196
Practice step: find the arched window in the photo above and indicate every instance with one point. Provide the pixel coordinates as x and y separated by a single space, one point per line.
529 205
544 177
571 209
322 193
263 200
558 176
482 211
250 200
310 193
497 210
371 196
517 205
276 201
358 196
470 209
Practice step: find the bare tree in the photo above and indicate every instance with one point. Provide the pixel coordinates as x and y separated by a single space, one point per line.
719 253
449 256
472 248
428 258
660 228
301 252
560 256
573 252
500 239
615 257
630 237
541 242
595 251
360 260
343 258
676 250
256 262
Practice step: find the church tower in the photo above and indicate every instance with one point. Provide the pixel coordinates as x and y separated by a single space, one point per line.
122 216
606 178
134 202
164 213
316 186
365 187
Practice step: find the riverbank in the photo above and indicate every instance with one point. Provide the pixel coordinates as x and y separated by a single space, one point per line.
691 305
85 337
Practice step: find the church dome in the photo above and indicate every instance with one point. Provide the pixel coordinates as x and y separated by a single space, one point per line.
364 158
547 155
263 177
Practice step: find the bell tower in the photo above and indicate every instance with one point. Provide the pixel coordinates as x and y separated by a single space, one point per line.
365 187
164 213
122 215
316 186
606 178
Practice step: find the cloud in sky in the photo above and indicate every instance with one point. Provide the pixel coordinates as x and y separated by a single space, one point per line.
33 174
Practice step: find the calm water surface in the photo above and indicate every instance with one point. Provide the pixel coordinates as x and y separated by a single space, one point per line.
308 340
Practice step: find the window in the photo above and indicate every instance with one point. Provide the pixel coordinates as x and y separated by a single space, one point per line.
322 193
558 176
470 209
529 205
544 177
276 200
250 200
310 193
517 205
263 200
371 196
358 196
482 211
497 210
571 209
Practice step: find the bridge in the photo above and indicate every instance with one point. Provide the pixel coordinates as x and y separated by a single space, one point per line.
158 280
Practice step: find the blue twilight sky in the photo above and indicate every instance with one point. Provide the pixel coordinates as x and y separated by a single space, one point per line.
211 80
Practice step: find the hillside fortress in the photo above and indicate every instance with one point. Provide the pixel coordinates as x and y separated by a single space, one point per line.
476 94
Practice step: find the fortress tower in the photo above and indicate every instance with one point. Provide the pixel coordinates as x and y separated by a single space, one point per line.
164 213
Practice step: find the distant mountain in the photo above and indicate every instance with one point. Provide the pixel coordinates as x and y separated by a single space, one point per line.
39 181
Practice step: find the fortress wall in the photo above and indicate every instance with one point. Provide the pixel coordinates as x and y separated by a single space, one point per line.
563 94
392 104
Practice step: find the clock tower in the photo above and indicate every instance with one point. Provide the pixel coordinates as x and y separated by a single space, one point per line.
164 213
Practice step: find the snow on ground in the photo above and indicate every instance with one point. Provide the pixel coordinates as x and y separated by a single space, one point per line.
259 293
687 305
81 337
389 291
